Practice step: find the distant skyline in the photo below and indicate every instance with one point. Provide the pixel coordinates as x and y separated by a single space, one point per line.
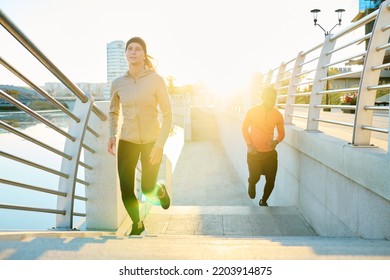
218 42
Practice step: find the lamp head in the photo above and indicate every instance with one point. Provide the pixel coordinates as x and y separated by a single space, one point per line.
315 14
339 14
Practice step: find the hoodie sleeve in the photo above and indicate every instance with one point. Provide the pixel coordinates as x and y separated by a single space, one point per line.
166 110
114 111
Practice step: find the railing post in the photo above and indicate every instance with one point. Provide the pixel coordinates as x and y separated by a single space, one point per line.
280 76
70 167
318 85
292 89
374 57
268 77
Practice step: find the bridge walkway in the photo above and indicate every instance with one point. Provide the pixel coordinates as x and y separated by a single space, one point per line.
211 218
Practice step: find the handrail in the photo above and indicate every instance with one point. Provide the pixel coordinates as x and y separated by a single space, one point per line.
312 49
33 140
342 75
342 90
377 108
387 86
41 57
380 67
376 129
383 47
344 59
38 89
307 62
31 187
323 84
303 83
363 21
353 42
33 164
333 122
74 138
35 115
33 209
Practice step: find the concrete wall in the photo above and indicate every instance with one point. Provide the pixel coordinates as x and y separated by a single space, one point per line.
339 189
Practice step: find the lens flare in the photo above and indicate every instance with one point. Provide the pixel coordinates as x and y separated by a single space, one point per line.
152 197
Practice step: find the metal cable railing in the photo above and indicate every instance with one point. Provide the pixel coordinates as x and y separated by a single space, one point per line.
74 137
312 87
41 57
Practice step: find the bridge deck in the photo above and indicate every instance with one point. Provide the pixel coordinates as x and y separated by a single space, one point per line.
211 218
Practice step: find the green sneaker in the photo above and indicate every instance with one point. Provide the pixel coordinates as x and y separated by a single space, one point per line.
136 230
163 195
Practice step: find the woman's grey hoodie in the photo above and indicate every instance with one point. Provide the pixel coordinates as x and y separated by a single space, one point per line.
139 100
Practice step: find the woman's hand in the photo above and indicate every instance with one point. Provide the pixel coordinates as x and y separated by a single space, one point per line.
156 155
112 146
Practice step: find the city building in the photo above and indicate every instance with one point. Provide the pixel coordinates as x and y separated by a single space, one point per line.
58 90
116 63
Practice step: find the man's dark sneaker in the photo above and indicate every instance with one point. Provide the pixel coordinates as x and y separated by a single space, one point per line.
163 195
262 204
136 230
252 191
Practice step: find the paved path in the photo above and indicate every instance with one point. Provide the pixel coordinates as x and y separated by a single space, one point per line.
204 176
211 219
209 199
189 247
227 221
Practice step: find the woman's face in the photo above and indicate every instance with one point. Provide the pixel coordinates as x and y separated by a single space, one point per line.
135 53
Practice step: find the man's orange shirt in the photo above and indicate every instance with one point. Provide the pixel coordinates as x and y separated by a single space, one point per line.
259 126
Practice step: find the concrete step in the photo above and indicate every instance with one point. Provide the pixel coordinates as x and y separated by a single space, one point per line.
227 221
198 233
192 247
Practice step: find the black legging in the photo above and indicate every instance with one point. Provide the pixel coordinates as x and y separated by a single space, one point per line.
128 155
263 163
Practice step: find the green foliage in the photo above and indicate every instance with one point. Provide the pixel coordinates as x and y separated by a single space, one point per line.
41 105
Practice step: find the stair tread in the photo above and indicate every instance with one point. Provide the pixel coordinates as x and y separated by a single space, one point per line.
227 221
220 210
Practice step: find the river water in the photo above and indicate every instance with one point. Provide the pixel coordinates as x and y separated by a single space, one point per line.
15 171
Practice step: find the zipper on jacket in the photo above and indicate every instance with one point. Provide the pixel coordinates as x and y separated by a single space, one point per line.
137 116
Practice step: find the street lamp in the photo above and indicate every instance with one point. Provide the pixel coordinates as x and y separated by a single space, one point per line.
315 15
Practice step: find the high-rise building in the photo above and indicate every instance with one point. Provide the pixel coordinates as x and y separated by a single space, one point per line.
366 7
116 63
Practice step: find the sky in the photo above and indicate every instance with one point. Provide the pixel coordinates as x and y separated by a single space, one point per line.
218 42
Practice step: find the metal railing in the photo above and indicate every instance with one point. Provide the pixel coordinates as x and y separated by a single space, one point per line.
307 81
74 137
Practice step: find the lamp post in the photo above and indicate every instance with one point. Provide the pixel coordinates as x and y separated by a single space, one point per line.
315 15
